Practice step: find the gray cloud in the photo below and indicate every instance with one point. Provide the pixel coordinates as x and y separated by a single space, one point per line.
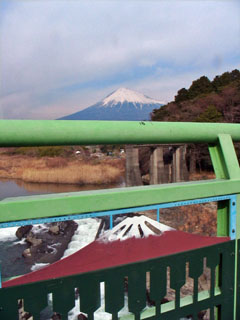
49 45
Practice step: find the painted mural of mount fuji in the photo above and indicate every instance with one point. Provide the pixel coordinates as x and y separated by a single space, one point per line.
122 104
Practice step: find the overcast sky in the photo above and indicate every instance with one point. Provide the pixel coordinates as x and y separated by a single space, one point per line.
58 57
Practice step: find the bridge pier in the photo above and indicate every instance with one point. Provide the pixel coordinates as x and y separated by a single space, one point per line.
133 176
158 171
167 164
179 166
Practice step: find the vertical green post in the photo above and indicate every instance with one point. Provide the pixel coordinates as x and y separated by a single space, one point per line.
237 264
226 166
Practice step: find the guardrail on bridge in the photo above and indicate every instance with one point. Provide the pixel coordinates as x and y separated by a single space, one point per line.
223 298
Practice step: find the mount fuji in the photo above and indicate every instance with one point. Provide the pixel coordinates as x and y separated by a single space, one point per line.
122 104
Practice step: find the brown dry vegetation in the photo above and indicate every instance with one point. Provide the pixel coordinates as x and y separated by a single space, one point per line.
204 175
61 170
197 219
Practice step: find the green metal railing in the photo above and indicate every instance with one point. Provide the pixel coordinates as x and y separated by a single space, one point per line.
35 295
222 300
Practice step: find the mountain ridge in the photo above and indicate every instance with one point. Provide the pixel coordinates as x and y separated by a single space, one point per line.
122 104
205 101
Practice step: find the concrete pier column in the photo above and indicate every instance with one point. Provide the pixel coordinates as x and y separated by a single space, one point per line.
184 171
167 173
167 170
156 166
133 176
176 166
179 166
192 166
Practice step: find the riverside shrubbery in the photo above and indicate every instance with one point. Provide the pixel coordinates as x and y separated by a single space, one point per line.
70 170
53 151
74 173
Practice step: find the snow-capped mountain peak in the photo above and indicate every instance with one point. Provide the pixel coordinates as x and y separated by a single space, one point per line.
122 104
126 95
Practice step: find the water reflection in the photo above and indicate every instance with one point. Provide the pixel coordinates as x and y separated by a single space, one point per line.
15 188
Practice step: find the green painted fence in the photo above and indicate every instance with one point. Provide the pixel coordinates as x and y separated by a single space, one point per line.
218 299
222 299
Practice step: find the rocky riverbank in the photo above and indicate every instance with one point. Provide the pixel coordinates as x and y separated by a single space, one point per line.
46 243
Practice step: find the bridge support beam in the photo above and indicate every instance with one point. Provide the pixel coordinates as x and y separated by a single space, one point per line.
179 167
172 172
133 175
159 173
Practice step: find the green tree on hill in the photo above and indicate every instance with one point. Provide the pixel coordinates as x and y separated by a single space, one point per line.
200 86
225 79
211 114
159 114
182 95
204 86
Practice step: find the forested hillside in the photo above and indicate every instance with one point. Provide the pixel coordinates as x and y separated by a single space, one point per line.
205 101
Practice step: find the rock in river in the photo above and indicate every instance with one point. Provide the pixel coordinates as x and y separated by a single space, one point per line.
46 243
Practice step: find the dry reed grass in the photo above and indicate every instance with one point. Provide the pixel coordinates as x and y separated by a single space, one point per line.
198 218
202 176
84 174
56 162
61 170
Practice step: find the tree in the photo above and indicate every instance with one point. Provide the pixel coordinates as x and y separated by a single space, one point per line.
211 114
225 79
182 95
159 114
200 86
235 74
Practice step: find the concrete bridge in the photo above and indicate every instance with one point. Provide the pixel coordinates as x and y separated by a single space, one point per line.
167 163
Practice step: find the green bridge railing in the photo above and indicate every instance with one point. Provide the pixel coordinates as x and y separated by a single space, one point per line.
222 298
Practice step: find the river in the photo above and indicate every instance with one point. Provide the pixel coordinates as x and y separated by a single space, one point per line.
16 188
10 248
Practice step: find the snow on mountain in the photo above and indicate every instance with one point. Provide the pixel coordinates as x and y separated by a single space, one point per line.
125 95
122 104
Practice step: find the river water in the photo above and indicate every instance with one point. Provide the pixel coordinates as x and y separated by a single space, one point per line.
11 248
16 188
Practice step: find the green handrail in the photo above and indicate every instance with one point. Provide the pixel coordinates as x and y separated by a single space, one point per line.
65 132
219 137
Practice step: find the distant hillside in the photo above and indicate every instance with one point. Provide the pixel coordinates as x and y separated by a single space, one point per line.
205 101
122 104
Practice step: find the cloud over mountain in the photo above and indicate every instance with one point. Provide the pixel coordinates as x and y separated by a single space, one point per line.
122 104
